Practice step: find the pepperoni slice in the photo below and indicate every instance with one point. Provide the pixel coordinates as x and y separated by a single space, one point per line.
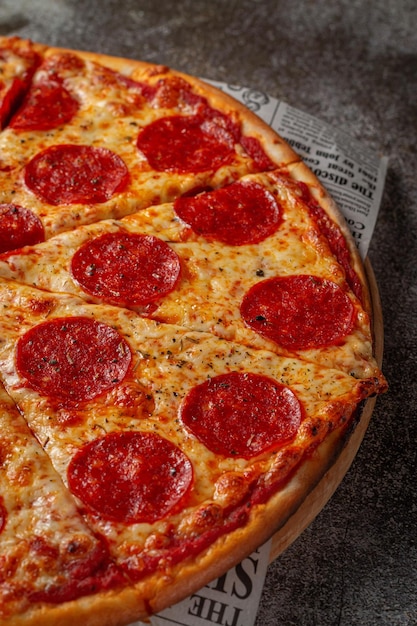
242 213
19 62
299 312
335 237
19 227
186 144
47 105
254 149
3 514
76 174
75 358
131 477
126 268
242 414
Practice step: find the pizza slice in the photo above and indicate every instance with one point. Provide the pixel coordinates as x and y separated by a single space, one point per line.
48 554
91 142
18 61
250 262
182 451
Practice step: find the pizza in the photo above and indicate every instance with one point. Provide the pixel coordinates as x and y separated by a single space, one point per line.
186 339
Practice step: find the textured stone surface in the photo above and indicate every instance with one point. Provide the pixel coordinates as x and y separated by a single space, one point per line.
354 64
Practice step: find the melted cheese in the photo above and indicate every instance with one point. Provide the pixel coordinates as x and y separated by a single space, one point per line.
215 277
168 362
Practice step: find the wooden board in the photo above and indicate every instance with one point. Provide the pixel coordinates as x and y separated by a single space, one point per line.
322 493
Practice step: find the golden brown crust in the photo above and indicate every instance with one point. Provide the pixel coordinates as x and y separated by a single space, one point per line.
114 608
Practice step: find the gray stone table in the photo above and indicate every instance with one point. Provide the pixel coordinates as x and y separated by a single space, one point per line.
352 63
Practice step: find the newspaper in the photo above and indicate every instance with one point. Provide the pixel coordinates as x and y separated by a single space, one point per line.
354 176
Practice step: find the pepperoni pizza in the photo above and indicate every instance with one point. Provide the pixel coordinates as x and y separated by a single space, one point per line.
185 335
